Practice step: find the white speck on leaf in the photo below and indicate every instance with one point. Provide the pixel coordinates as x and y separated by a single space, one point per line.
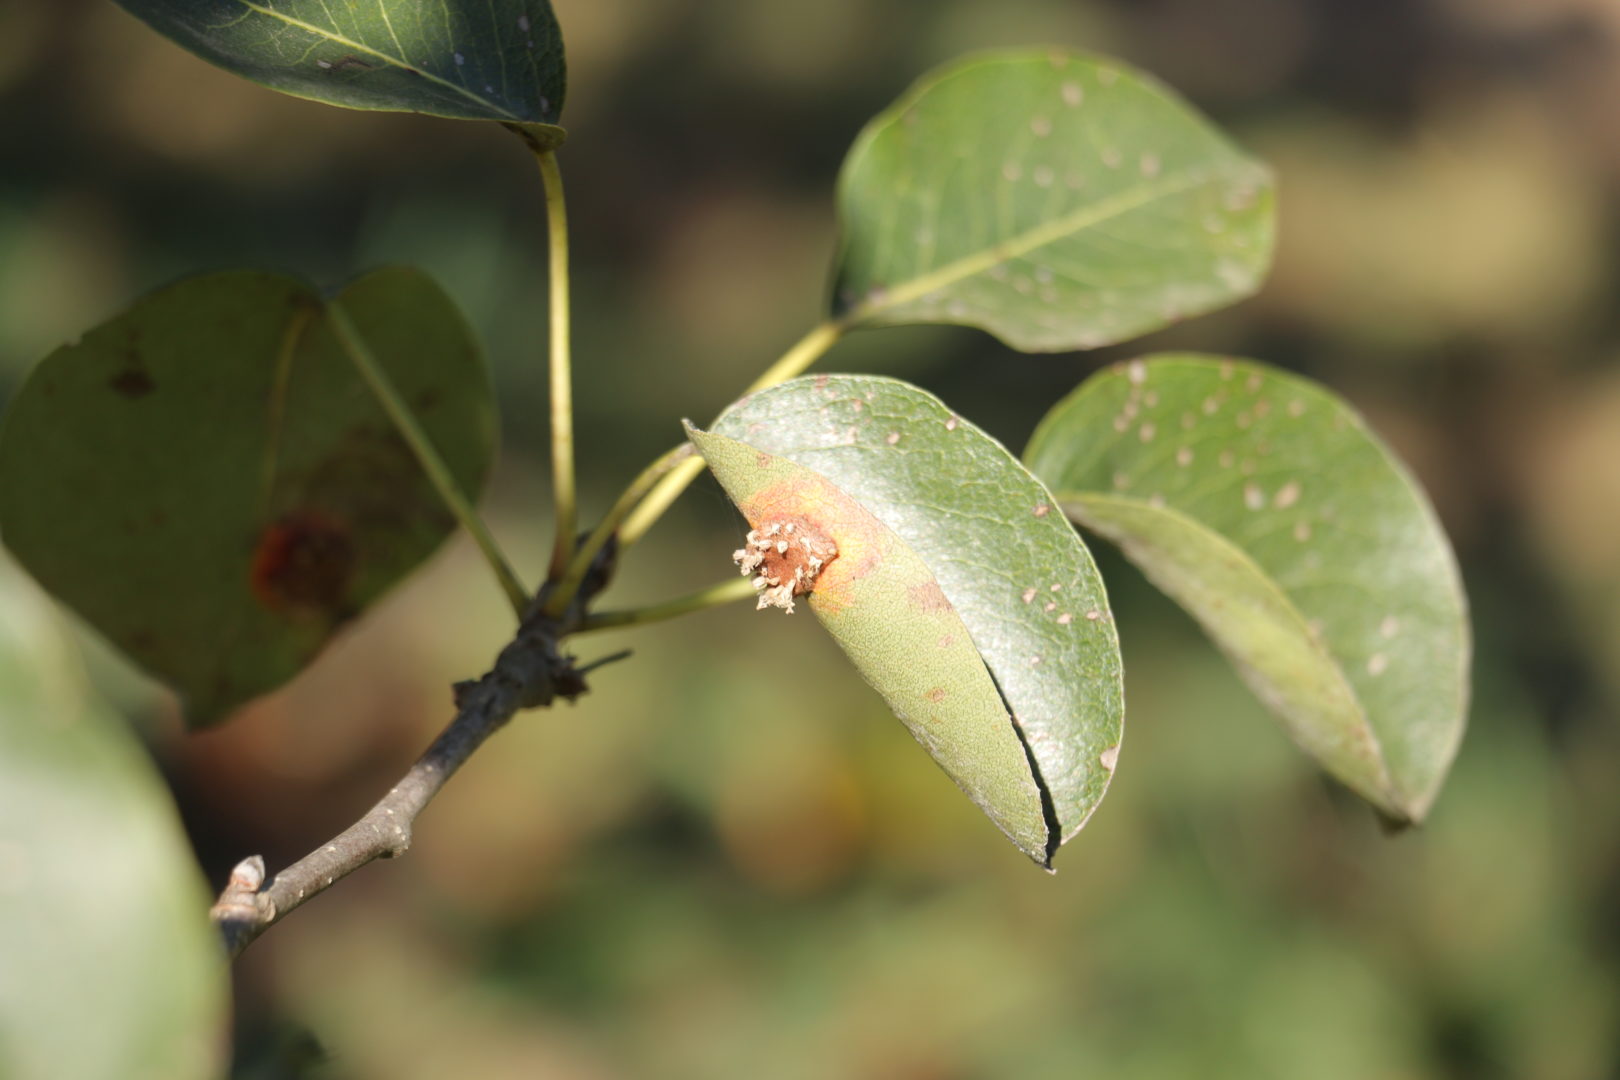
1029 594
1302 531
1012 172
1287 495
1377 663
1184 456
1040 127
1065 619
1390 626
523 23
892 438
1253 497
1146 432
1072 94
1109 758
460 60
1150 165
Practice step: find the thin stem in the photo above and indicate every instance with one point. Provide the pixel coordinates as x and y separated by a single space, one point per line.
565 589
561 367
530 672
427 456
805 352
726 592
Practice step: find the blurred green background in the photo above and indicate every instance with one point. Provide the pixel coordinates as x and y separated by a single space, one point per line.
728 860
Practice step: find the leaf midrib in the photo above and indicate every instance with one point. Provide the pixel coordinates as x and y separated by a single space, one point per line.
1076 221
395 61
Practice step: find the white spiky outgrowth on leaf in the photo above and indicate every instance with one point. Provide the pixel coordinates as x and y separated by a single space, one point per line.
785 559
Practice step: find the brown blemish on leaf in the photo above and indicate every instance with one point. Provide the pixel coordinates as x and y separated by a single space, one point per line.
1041 510
132 383
936 695
929 597
304 562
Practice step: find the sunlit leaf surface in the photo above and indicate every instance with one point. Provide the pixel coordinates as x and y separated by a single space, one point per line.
959 590
1263 505
1055 199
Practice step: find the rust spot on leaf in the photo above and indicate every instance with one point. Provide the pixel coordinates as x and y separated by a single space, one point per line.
304 562
928 597
936 695
132 383
812 502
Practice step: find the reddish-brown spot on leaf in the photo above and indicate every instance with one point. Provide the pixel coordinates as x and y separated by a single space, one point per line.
304 562
929 597
810 500
936 695
132 383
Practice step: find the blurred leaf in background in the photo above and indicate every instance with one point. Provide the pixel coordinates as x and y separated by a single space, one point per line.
112 968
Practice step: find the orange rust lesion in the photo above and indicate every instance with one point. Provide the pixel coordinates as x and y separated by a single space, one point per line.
810 501
785 558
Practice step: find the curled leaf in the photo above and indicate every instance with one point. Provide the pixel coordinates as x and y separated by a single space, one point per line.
1263 505
957 588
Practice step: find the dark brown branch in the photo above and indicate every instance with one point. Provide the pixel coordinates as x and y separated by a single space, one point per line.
530 672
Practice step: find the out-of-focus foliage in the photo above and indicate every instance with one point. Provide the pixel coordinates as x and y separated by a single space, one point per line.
211 482
112 968
721 864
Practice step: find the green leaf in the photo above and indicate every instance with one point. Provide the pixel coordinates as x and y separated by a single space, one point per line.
111 967
960 593
1262 504
209 483
498 60
1057 200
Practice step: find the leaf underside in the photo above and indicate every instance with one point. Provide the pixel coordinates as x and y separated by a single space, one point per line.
1055 199
1263 504
208 482
499 60
950 553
